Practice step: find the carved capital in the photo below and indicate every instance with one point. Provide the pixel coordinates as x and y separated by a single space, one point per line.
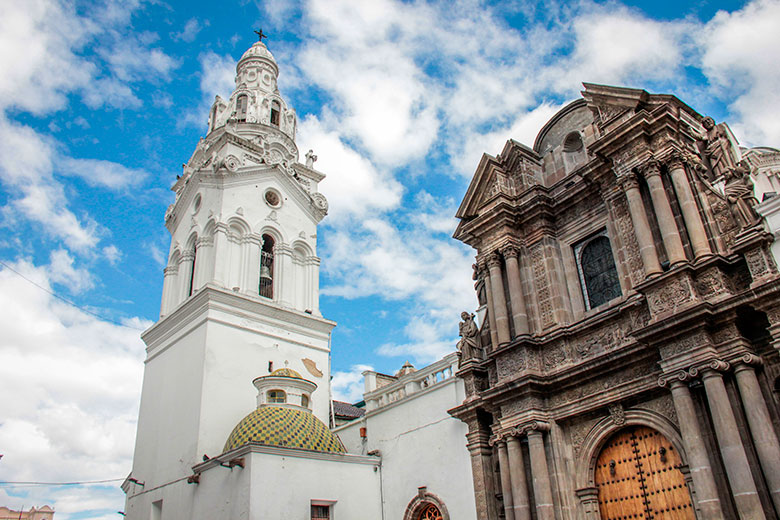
493 260
629 181
650 168
171 269
681 376
510 250
676 160
187 256
747 360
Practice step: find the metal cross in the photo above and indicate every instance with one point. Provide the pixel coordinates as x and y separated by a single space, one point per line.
260 35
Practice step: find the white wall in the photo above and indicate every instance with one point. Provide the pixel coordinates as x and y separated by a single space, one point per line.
420 445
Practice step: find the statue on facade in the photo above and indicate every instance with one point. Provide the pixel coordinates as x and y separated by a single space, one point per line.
718 147
310 159
470 344
739 194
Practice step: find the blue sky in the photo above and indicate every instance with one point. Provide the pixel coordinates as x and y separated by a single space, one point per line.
102 102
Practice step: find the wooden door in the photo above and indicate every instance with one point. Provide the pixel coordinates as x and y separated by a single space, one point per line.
638 477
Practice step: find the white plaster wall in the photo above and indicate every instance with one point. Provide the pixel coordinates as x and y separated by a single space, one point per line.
421 445
283 488
166 442
770 210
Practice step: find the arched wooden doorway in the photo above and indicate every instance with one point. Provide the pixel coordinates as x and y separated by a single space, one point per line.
638 476
431 512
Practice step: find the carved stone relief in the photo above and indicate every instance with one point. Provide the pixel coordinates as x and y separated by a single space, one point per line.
625 228
543 293
670 296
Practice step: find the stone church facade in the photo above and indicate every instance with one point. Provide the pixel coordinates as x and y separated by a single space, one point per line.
626 361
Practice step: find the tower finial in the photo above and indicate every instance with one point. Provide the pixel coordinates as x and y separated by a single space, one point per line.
261 35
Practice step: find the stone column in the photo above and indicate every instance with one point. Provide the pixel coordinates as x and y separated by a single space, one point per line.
690 212
707 500
519 484
540 476
204 264
506 481
519 313
760 422
733 452
253 243
221 255
641 226
491 313
669 232
170 289
499 298
186 263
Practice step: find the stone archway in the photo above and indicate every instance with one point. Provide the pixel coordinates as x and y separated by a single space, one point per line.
600 436
426 506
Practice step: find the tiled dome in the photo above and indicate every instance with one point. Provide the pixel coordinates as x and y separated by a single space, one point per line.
286 372
284 427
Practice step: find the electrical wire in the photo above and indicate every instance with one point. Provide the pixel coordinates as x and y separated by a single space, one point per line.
82 309
9 483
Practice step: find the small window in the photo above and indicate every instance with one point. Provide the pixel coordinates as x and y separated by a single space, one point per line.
241 105
305 401
276 109
272 198
319 512
598 275
196 205
277 396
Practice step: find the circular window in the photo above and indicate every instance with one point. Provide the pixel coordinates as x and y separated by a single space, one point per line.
272 198
196 204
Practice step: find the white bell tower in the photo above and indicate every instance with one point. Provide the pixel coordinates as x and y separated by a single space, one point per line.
241 291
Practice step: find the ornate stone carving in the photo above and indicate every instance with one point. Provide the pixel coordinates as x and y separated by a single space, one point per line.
670 296
493 259
510 250
554 356
607 339
320 202
625 229
684 344
617 414
757 262
663 405
543 294
710 282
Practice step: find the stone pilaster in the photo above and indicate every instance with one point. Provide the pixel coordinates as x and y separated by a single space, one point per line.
760 422
690 211
707 500
186 264
170 289
545 509
499 298
519 312
491 312
641 226
481 470
520 498
663 210
506 480
733 452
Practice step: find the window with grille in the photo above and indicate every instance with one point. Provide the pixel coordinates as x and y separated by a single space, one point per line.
277 396
319 512
596 267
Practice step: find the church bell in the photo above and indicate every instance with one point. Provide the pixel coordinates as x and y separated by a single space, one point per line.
265 273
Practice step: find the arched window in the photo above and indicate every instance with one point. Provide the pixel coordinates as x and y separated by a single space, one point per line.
191 281
305 401
276 109
267 267
598 275
430 512
241 105
276 396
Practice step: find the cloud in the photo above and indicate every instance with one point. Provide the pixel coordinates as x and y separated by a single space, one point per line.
217 78
61 271
26 166
76 382
737 58
131 59
104 174
348 385
353 186
190 30
112 254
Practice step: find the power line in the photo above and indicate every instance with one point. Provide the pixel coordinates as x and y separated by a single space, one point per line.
9 483
72 304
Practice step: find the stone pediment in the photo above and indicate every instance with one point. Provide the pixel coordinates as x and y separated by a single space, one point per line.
608 103
514 170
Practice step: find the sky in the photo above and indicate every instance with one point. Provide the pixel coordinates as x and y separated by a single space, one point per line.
102 101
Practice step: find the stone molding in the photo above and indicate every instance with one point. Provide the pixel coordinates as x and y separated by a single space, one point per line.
698 370
423 499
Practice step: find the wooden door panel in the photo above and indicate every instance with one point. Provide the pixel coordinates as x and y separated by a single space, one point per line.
638 477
